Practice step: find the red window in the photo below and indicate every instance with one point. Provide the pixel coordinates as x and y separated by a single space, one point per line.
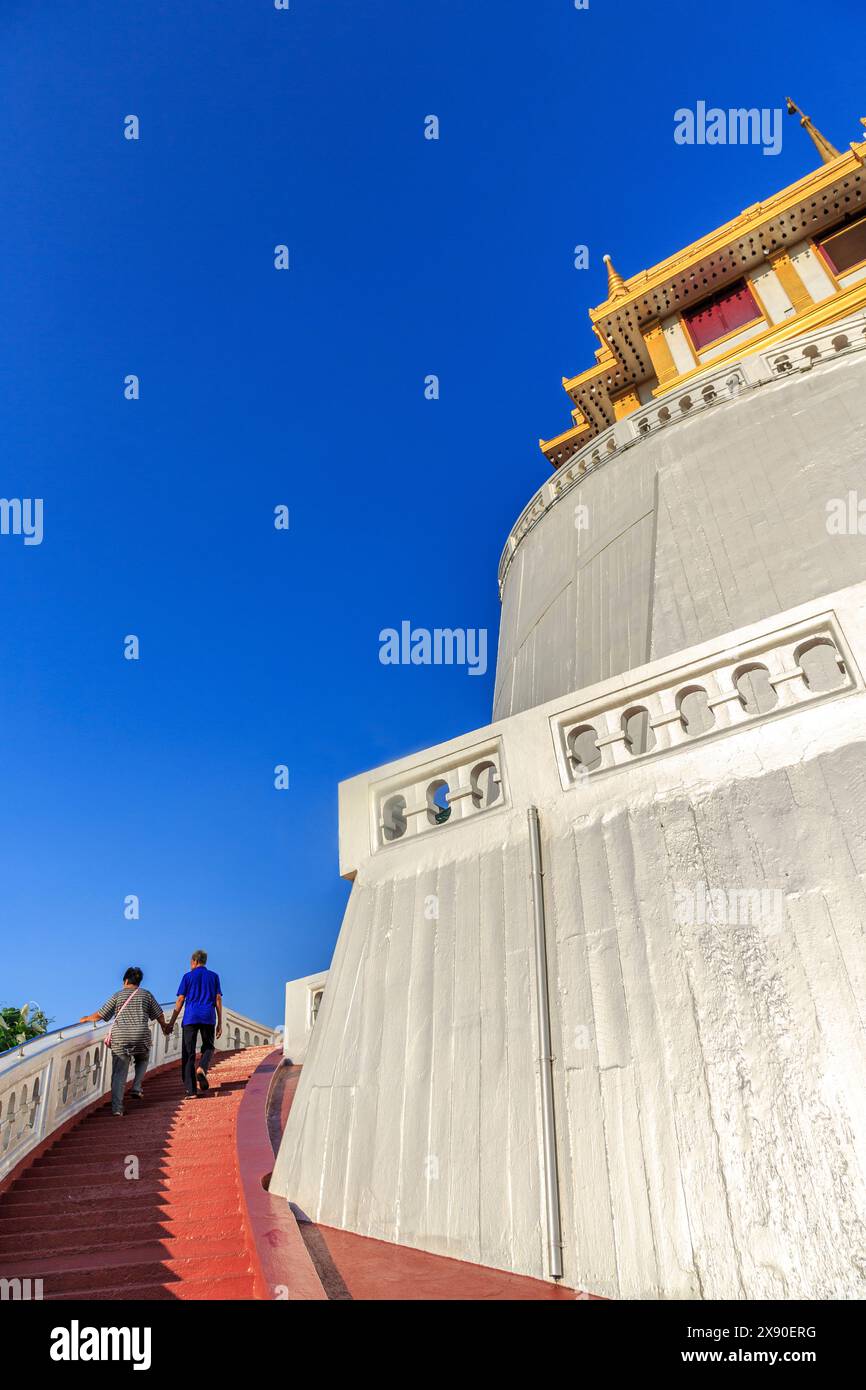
845 249
722 313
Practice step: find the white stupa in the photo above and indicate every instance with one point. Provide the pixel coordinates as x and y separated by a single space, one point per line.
596 1011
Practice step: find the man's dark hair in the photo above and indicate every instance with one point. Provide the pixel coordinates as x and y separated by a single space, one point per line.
200 957
134 975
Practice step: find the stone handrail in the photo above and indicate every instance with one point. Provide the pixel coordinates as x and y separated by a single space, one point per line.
48 1080
711 387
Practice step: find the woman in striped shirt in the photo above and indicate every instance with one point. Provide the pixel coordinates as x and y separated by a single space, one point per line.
132 1009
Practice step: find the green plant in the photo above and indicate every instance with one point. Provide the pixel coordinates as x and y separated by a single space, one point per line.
19 1025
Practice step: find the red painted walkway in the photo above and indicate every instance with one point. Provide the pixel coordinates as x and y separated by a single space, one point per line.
78 1222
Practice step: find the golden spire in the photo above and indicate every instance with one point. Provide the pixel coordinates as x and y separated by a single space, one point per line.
615 282
827 151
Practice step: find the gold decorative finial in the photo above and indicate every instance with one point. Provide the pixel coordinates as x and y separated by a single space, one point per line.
615 282
827 151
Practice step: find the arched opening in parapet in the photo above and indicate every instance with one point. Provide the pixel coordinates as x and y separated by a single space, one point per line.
10 1122
484 781
583 748
34 1103
822 666
394 818
315 1005
639 733
695 713
438 810
757 695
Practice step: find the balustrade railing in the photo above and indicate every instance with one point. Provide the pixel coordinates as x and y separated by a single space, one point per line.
424 800
773 676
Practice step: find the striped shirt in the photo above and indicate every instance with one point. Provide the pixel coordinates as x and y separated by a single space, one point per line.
130 1033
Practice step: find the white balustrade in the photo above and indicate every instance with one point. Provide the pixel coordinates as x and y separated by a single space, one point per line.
751 684
425 799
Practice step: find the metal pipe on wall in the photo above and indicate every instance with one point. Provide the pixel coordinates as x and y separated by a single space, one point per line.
548 1119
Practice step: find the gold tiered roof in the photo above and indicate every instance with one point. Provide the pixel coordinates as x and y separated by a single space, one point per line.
632 360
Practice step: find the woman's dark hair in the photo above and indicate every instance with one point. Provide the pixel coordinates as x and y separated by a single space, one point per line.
133 976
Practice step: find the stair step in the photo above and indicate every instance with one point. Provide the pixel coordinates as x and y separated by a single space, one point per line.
147 1263
220 1225
83 1139
171 1219
95 1202
64 1179
156 1161
223 1287
154 1273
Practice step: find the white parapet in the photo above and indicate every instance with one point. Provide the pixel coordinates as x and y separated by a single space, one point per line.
304 999
703 821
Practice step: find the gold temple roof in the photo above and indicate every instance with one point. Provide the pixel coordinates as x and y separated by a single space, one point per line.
801 211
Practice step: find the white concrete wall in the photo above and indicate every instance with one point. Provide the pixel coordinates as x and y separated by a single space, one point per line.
577 601
299 1014
711 1116
713 522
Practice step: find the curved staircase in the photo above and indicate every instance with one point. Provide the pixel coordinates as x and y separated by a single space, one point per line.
144 1207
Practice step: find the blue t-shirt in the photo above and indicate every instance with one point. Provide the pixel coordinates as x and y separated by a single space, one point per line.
200 988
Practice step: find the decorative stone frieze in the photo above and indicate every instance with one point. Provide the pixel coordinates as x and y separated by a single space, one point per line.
425 799
779 673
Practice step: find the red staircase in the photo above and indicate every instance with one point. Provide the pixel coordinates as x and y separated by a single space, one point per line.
78 1222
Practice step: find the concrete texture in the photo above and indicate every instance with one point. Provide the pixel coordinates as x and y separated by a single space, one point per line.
710 1114
714 522
352 1267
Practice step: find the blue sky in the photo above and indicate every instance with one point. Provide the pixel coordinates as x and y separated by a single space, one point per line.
306 387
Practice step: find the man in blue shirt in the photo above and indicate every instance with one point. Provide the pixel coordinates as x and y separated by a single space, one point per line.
199 995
